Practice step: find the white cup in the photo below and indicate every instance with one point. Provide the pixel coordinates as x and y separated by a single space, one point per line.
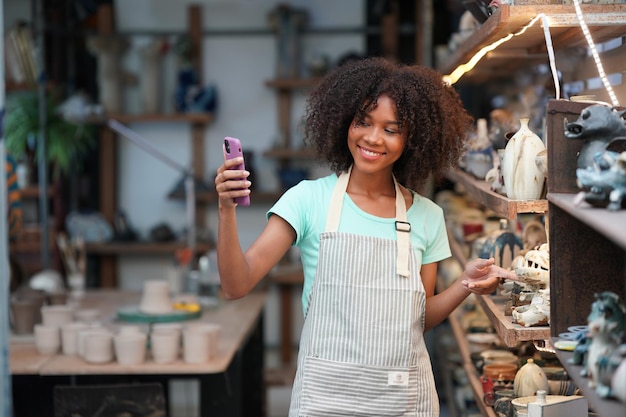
47 339
177 327
87 315
125 329
130 348
165 345
156 298
200 342
98 346
57 315
82 337
69 337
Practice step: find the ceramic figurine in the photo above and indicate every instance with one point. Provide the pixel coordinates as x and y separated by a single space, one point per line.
522 179
501 121
537 313
604 184
607 325
535 267
597 126
494 175
618 379
478 158
607 368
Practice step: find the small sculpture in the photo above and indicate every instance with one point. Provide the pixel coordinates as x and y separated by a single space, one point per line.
537 313
597 126
607 327
604 183
534 269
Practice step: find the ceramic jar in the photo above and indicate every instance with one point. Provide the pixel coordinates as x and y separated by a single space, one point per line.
529 379
522 178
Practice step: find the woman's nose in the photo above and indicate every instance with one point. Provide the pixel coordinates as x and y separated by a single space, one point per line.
373 136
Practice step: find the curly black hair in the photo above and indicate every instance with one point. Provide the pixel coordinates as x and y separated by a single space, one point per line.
429 111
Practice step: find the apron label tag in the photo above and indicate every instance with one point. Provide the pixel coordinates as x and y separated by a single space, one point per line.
398 378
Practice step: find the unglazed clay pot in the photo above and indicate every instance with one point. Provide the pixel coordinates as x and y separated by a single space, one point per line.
522 178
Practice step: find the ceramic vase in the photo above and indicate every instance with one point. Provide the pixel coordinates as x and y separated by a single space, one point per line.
521 176
529 379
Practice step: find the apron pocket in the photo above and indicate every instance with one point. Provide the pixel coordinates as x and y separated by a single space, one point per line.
332 389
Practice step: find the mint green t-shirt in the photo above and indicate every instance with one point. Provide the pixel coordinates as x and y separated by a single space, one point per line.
305 208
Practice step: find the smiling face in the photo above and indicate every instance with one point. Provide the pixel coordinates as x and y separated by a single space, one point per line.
376 139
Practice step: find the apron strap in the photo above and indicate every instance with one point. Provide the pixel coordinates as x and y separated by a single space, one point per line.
403 227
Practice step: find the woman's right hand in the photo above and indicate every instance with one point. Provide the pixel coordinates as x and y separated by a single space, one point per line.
231 183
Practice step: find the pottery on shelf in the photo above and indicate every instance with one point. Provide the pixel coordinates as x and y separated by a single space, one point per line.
529 379
522 178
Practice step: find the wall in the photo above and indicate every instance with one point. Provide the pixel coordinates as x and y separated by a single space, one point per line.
239 65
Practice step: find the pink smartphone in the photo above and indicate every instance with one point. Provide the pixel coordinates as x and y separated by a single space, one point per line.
232 149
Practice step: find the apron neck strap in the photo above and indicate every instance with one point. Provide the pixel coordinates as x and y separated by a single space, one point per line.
403 227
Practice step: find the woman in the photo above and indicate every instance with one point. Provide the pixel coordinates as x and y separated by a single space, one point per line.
369 245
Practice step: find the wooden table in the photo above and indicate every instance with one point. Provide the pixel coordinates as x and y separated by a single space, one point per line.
231 384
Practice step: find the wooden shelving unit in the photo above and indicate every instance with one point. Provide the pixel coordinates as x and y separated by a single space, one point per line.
587 244
500 204
108 252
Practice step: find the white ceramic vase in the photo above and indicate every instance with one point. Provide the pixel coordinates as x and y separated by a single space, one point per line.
529 379
522 178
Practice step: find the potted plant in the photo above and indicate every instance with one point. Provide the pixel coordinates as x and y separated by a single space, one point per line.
66 142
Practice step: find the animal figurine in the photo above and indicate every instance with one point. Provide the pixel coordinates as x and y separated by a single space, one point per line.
607 325
607 367
597 126
534 268
604 184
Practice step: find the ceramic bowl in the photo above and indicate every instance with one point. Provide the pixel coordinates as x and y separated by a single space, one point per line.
500 371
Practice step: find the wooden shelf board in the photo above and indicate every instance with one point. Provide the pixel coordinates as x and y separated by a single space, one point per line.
140 248
602 406
510 333
605 22
200 118
611 224
468 365
501 205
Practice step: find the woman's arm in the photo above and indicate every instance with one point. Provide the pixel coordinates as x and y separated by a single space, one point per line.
480 276
240 272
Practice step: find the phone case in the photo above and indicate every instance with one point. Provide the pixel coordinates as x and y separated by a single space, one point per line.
233 149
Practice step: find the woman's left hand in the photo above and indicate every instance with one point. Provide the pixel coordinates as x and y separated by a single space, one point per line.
482 276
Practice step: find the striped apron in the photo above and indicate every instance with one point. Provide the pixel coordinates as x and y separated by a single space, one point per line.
362 350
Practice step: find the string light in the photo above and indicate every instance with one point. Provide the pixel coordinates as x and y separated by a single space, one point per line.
462 69
594 53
